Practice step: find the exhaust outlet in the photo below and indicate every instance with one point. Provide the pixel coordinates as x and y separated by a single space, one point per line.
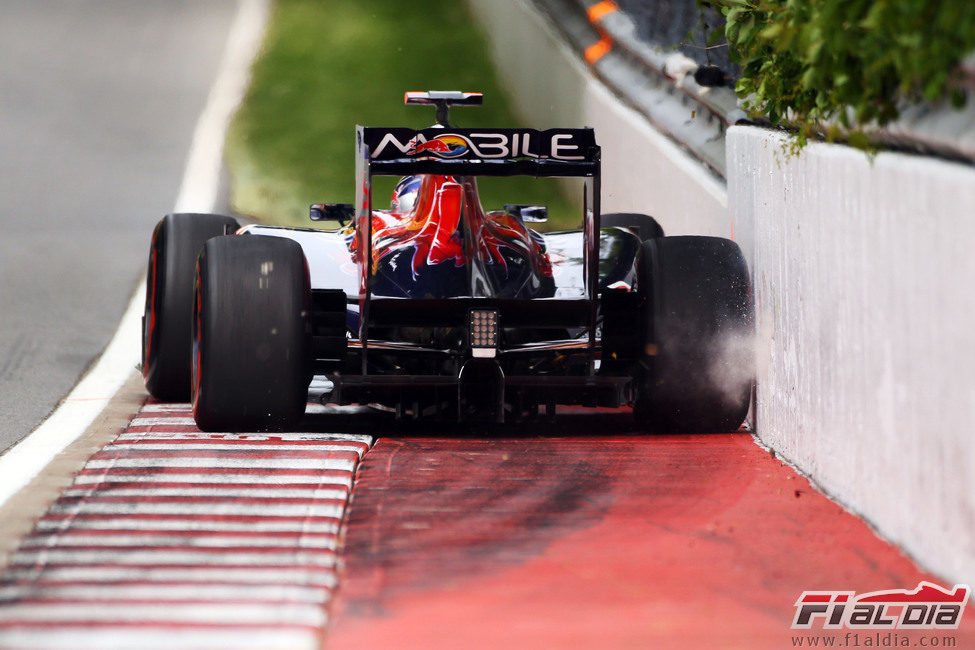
480 392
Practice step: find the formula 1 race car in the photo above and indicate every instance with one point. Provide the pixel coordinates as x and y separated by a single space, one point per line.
437 307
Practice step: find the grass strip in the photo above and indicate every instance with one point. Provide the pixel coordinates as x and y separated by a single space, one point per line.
328 65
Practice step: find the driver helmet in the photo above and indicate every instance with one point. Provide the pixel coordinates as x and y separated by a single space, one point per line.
405 193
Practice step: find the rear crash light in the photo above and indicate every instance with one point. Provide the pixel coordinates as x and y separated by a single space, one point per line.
483 333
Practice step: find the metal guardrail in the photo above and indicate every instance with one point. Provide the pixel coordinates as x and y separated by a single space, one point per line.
658 81
679 26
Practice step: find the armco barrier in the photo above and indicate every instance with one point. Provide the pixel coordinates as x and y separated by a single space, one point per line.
643 171
864 284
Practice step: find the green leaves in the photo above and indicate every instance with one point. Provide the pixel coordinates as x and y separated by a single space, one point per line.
807 62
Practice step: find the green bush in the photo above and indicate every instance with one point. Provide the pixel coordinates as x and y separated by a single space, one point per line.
849 62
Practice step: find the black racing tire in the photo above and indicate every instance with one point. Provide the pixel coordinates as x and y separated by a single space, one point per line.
251 334
643 226
699 331
166 333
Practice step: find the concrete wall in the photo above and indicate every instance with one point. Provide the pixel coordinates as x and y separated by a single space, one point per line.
643 171
864 286
864 278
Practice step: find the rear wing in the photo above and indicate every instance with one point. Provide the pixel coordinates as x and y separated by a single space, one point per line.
476 152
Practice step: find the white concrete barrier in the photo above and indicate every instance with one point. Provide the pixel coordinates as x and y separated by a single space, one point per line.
864 278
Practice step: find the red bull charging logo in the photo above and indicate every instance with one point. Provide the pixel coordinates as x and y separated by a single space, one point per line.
443 146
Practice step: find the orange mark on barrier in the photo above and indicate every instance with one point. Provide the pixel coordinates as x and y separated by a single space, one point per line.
600 9
598 50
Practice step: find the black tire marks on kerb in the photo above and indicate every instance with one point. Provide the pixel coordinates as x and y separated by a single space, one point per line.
428 512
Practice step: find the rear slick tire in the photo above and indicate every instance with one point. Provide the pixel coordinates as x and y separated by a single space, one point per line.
251 334
699 329
643 225
166 328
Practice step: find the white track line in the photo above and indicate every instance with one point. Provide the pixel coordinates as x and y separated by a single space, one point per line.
201 177
166 592
162 557
150 491
132 434
21 463
165 408
209 509
198 574
216 479
171 614
216 462
236 448
201 525
165 422
198 192
83 637
144 540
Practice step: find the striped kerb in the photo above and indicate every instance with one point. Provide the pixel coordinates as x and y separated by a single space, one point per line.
174 538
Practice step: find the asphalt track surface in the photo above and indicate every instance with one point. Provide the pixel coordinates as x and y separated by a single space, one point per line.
98 102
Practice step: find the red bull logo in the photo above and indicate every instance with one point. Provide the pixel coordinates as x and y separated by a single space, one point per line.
443 146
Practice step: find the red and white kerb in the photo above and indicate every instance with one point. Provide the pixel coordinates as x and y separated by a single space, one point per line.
174 538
